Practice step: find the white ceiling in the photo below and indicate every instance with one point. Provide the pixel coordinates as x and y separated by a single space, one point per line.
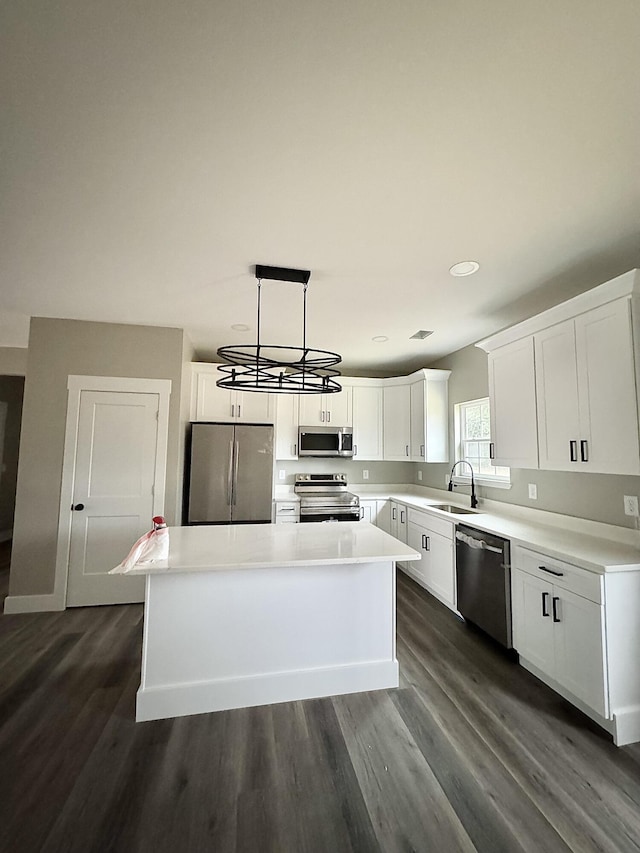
154 151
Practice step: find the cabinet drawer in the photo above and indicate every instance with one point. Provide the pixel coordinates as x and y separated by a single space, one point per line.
286 512
432 522
560 574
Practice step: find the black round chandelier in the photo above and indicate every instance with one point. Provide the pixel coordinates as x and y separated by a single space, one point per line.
279 369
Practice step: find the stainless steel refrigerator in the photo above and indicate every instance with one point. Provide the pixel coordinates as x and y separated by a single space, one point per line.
230 474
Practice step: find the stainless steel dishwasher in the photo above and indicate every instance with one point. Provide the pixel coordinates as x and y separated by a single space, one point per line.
483 575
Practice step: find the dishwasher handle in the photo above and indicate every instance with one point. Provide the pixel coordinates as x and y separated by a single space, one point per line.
477 544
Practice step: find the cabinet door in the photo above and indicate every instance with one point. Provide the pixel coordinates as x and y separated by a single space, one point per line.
397 422
367 422
418 431
286 433
606 382
403 527
212 403
579 649
254 407
512 399
439 567
383 516
368 511
533 634
337 408
557 393
312 410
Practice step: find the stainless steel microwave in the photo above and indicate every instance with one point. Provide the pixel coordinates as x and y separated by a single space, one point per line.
325 441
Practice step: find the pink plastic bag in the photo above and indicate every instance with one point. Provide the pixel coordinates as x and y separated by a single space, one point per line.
149 548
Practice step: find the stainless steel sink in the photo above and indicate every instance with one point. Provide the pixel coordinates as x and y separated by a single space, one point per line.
455 510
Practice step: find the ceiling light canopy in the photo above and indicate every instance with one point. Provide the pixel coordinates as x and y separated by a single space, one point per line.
380 339
278 369
464 268
420 335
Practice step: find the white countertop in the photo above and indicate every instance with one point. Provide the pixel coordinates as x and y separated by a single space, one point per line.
251 546
576 540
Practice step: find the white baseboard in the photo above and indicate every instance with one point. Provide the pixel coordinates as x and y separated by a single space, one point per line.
177 700
626 726
32 603
6 535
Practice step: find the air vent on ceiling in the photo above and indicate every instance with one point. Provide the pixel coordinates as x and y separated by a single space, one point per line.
420 335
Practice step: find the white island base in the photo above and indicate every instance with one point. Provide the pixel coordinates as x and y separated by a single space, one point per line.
311 613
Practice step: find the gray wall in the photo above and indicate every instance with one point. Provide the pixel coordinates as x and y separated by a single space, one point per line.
11 393
13 361
58 348
598 497
379 472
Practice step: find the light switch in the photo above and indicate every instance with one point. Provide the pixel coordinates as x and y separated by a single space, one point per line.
282 474
533 492
365 474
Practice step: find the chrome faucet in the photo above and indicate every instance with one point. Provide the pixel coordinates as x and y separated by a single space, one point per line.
474 499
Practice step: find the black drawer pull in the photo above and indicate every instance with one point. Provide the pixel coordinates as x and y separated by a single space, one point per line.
584 450
551 572
554 604
492 454
573 451
545 596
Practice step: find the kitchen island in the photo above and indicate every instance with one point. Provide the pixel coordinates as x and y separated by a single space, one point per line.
253 614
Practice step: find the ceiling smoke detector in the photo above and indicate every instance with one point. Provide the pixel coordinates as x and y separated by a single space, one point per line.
420 335
464 268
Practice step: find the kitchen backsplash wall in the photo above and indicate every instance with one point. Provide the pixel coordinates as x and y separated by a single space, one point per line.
598 497
379 472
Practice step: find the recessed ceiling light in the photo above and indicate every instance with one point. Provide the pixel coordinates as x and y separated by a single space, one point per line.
380 339
420 335
464 268
240 327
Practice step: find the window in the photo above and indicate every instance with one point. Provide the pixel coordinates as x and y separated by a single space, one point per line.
473 438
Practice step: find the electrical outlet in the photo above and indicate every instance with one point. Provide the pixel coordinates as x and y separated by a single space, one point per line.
365 474
419 474
533 492
282 474
631 505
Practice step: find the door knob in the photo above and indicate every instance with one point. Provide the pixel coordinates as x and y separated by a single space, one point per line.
78 507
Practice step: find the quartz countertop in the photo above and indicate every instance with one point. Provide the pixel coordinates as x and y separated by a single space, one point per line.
207 548
578 541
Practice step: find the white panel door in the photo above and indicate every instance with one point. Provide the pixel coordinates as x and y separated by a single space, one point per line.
606 378
512 398
533 634
115 468
418 431
338 408
212 403
367 422
312 410
397 422
286 432
557 393
254 407
579 648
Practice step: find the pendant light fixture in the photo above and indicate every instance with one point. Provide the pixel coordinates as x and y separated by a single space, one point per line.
280 369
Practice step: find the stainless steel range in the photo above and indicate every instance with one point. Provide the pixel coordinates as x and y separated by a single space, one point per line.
324 497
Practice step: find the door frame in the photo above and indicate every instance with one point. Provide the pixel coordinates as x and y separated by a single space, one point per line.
75 386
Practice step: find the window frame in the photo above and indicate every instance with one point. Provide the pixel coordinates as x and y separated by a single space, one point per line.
460 478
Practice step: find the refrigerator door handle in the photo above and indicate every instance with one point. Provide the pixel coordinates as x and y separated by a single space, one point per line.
235 472
230 475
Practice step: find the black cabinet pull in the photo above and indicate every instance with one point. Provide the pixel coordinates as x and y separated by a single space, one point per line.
401 516
78 507
551 572
545 596
492 454
393 514
584 450
573 451
427 540
554 604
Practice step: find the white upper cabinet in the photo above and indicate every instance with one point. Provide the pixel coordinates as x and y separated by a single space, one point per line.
326 409
429 406
512 400
587 410
397 422
210 403
367 422
286 433
585 365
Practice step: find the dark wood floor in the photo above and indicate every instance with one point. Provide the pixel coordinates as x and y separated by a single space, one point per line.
471 753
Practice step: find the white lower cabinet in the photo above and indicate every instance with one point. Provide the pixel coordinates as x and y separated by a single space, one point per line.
286 511
433 539
558 626
376 512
